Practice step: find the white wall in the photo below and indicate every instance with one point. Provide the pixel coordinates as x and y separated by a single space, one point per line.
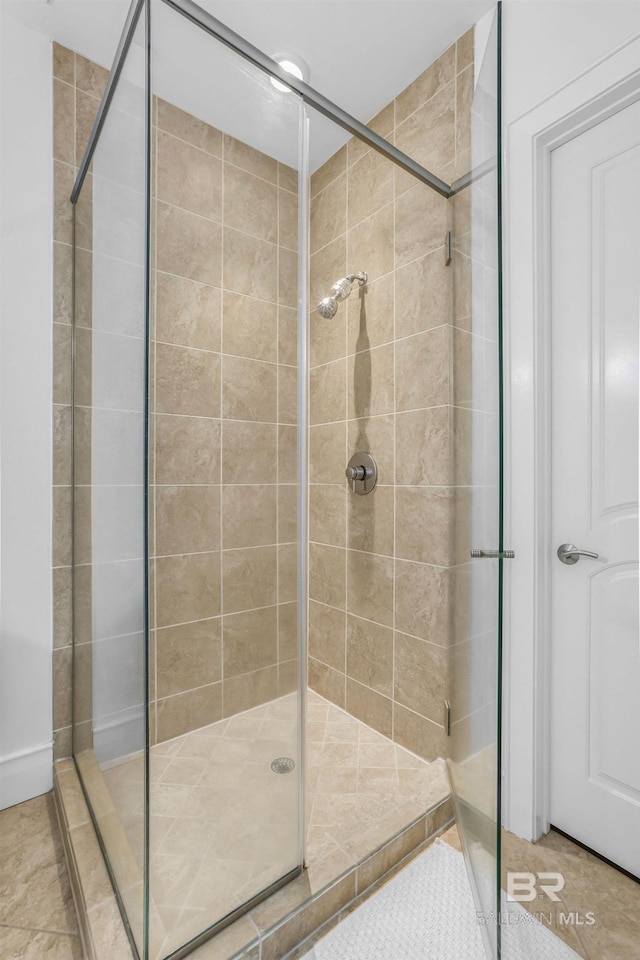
26 217
546 47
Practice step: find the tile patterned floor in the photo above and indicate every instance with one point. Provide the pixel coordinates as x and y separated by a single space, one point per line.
37 915
223 825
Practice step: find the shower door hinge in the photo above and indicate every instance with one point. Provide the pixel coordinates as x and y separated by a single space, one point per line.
447 718
448 241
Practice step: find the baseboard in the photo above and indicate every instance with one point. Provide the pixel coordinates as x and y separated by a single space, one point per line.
26 774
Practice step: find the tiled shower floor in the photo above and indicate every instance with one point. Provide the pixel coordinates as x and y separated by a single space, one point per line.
223 825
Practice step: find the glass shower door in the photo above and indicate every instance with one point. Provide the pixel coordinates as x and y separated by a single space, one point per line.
474 740
225 789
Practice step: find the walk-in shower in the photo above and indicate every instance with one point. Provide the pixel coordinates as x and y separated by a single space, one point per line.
263 662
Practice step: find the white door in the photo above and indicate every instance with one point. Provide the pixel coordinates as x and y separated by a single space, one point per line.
595 659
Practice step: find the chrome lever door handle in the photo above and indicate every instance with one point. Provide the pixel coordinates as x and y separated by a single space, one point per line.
570 554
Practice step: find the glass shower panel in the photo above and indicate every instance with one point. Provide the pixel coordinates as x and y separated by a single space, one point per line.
225 710
109 493
473 746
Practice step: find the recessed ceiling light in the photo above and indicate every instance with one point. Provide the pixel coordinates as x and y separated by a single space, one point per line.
293 65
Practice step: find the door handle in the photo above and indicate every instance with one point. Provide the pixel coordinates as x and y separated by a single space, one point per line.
569 553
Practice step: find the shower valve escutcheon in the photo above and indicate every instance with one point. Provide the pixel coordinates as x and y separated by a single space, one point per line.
362 473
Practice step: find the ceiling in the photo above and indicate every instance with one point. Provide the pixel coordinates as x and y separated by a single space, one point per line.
361 53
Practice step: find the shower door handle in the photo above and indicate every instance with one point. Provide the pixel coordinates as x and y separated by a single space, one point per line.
492 554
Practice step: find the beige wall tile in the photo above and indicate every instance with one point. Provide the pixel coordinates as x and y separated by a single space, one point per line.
62 284
336 165
433 79
187 313
422 447
370 521
287 512
422 605
61 550
249 690
64 107
189 128
422 365
464 101
250 452
327 574
250 159
86 110
189 710
287 335
288 219
188 656
287 394
327 513
249 578
287 453
371 382
325 267
370 654
250 641
250 265
464 50
327 452
249 327
188 588
437 116
328 213
370 315
287 277
63 63
249 515
63 178
327 635
328 389
188 245
187 519
61 444
370 707
187 381
62 607
287 572
287 631
329 683
423 294
383 123
90 77
187 450
417 734
422 524
370 244
287 178
370 587
370 187
420 675
421 223
188 177
62 694
249 389
250 204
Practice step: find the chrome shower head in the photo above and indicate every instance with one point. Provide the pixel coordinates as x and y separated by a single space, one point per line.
328 307
341 289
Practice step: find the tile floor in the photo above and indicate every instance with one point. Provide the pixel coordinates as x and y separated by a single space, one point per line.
37 915
224 826
37 918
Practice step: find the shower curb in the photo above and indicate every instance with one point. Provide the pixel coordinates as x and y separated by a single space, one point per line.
256 936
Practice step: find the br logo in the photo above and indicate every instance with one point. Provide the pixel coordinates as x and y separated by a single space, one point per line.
524 886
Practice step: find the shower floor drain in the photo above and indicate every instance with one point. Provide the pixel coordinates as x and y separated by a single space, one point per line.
282 765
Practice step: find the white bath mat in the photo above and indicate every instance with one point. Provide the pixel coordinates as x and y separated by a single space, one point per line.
426 912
